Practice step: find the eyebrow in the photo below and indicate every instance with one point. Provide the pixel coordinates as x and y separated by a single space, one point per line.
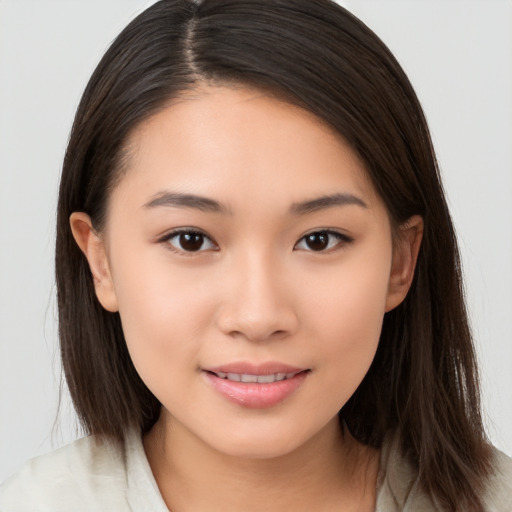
176 199
205 204
327 201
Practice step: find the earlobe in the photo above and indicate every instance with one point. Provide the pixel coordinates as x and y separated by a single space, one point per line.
93 247
405 255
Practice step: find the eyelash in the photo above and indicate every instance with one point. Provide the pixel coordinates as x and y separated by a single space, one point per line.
178 232
341 238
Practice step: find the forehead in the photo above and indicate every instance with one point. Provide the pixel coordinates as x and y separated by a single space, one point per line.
239 144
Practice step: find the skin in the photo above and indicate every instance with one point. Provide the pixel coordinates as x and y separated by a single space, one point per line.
255 291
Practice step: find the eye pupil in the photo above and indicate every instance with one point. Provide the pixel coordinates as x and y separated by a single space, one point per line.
191 241
317 241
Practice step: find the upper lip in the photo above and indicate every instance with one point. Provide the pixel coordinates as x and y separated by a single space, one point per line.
248 368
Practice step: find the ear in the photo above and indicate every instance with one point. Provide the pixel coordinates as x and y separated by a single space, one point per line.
405 254
93 247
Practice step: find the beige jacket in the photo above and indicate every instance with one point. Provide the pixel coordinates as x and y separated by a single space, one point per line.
399 490
86 476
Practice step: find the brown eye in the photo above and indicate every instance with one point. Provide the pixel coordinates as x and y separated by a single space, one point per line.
317 241
322 240
189 241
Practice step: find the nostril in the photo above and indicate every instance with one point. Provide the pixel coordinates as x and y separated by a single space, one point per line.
256 322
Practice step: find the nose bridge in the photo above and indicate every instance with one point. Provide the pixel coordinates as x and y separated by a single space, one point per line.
257 304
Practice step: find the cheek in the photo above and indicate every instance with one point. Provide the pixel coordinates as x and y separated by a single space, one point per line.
353 294
348 311
163 313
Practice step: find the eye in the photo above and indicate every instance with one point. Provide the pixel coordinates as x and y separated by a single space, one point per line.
189 241
322 241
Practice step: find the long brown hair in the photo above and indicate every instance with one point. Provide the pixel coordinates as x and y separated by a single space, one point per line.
423 382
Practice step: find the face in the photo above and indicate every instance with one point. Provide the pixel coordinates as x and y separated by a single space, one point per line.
245 243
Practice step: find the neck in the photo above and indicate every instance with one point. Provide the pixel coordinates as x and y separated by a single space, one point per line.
330 472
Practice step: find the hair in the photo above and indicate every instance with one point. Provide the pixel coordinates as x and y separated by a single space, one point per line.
423 382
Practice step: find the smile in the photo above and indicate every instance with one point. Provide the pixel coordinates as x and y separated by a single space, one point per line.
260 379
255 386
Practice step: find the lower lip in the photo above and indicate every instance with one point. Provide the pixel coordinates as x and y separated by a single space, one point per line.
254 395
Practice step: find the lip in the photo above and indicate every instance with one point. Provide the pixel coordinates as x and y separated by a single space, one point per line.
255 395
255 369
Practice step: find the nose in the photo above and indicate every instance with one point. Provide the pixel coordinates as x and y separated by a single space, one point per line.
258 302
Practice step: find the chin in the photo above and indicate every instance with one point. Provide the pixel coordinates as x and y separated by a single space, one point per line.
258 449
265 442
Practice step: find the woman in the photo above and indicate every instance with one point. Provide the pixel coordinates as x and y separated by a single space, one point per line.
258 281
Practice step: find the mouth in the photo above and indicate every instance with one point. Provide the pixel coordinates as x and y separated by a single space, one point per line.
254 378
256 387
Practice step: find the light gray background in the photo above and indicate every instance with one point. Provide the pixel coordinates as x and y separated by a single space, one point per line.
458 54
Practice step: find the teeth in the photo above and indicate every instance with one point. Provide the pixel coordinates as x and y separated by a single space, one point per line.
260 379
249 378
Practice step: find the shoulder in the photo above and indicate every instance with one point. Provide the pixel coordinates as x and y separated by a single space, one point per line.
83 476
498 497
399 488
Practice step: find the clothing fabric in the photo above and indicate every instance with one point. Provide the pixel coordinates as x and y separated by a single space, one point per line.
90 476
